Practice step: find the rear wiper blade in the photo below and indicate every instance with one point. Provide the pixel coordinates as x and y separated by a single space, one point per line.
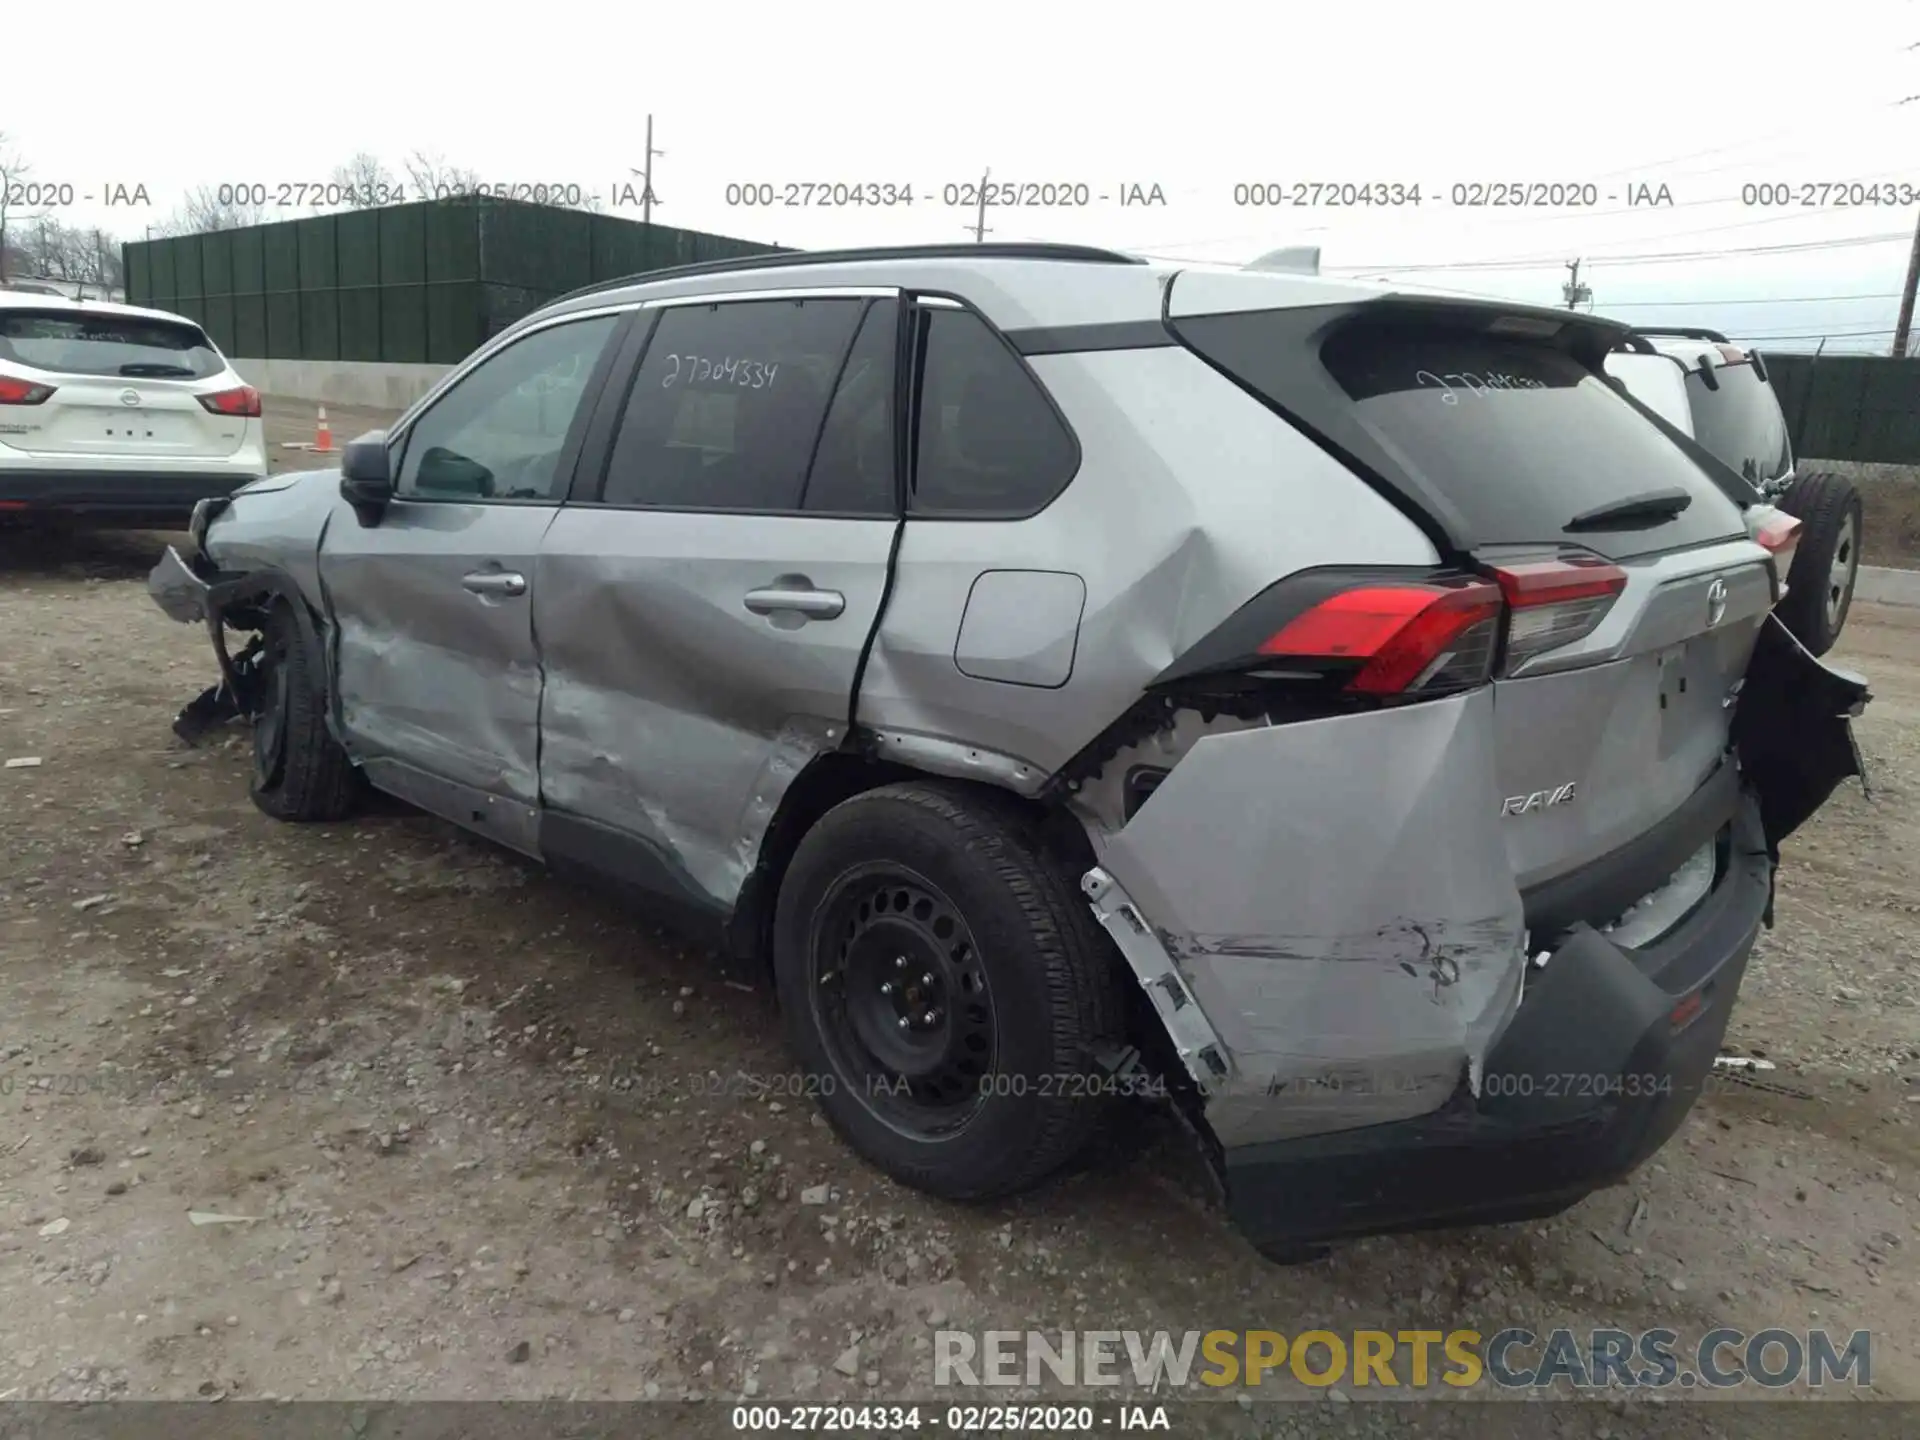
1653 508
153 370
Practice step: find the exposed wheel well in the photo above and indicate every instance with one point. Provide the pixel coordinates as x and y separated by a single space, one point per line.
840 775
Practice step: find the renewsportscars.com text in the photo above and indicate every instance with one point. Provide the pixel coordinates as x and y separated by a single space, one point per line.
1512 1358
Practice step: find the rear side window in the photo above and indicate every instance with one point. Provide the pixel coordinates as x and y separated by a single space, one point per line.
77 342
1520 438
988 441
728 404
1740 423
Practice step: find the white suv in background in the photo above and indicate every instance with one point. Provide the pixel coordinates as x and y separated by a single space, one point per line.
1719 396
115 415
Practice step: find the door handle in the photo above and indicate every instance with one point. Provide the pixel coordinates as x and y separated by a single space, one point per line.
495 583
798 600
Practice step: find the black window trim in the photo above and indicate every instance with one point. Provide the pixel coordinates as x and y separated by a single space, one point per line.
567 464
918 302
590 478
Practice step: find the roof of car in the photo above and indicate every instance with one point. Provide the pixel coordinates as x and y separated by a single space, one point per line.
1020 287
30 300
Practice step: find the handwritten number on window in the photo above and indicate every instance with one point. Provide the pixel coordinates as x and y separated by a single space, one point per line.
728 370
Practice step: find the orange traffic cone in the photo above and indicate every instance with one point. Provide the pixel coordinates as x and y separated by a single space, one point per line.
322 435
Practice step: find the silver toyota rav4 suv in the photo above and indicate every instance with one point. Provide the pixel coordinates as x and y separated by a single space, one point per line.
1333 708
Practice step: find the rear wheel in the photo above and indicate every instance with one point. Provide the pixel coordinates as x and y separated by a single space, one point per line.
299 771
946 989
1826 562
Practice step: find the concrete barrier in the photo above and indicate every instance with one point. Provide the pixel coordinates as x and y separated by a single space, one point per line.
342 382
1886 586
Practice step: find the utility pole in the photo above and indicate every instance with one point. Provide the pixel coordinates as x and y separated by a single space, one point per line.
646 178
1904 324
1573 291
979 226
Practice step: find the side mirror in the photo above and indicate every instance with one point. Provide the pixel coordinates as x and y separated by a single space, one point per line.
366 475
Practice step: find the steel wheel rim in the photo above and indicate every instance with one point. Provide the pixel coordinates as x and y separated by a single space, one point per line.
913 1041
1846 560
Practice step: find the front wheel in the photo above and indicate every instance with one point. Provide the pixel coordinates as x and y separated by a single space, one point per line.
946 989
299 770
1826 562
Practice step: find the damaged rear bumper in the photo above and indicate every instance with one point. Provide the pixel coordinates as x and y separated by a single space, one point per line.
1599 1066
1352 994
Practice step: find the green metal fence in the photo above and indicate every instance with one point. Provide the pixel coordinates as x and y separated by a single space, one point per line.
1850 407
423 283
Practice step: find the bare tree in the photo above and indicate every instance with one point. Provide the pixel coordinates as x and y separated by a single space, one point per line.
202 211
432 178
363 182
13 169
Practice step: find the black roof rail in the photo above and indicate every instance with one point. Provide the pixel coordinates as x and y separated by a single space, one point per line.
1682 333
789 259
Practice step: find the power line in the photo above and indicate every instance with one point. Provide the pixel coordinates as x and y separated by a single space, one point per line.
1651 257
1748 300
1797 129
1822 335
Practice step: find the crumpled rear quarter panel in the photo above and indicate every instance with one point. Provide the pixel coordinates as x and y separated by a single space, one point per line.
1338 896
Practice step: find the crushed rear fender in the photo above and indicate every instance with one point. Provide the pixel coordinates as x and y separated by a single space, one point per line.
1336 894
1324 913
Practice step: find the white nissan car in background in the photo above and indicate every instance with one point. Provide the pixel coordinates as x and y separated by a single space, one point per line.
116 415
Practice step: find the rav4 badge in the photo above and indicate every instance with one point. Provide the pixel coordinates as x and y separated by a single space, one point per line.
1538 800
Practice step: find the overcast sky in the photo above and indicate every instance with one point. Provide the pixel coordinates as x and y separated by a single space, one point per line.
1703 97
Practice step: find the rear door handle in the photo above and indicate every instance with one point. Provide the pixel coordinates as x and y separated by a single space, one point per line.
493 583
798 600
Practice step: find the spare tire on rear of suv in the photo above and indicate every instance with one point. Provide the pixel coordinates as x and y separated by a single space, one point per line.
1827 561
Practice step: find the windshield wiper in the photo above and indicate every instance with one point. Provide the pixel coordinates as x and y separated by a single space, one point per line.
1656 507
154 370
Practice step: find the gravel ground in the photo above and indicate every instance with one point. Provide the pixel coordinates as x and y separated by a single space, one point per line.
496 1137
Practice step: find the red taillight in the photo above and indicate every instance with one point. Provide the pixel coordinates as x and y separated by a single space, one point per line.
22 392
243 402
1555 602
1777 533
1406 636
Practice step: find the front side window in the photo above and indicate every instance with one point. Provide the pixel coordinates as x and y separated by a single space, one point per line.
728 404
498 434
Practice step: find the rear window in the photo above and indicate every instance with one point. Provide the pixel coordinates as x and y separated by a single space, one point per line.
76 342
1740 423
1519 438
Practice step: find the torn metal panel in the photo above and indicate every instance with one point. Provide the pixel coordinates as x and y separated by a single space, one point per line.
1337 895
938 755
1194 1040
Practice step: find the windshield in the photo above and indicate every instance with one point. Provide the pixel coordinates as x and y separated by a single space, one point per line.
80 342
1740 422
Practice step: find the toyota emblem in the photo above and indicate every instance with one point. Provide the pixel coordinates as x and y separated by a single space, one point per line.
1716 603
129 397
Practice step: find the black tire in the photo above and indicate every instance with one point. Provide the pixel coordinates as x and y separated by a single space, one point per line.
1826 564
299 771
1005 1086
